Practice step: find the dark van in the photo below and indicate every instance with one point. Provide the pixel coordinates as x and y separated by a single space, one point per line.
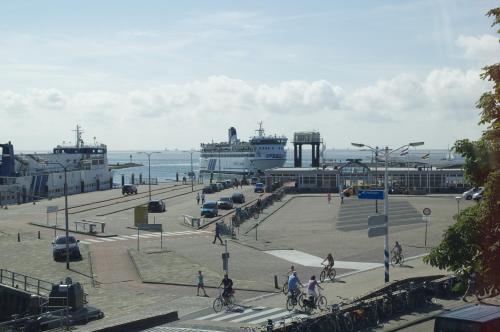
475 318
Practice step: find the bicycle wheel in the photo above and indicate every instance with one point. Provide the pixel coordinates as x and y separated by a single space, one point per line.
394 260
332 274
401 259
291 302
300 300
218 304
230 302
256 215
285 288
322 276
322 303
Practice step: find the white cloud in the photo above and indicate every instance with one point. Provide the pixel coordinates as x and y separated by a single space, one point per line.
163 113
484 49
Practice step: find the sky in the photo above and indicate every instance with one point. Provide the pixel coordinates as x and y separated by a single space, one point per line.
172 74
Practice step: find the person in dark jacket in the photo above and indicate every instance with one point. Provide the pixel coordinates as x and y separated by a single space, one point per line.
217 233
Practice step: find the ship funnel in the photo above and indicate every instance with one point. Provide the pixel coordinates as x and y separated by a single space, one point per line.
232 137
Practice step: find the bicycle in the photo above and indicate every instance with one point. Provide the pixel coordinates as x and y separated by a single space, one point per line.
220 302
397 258
308 306
292 300
330 272
341 319
284 289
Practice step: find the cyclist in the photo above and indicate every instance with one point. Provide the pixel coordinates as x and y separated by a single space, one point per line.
397 250
228 287
291 271
293 281
331 262
311 288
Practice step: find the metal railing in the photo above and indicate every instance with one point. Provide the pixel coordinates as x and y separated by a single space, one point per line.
24 282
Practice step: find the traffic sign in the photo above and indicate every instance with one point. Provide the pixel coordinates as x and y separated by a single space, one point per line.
52 208
426 211
371 194
377 220
150 227
377 231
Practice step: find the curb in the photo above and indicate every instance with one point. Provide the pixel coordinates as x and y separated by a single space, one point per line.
72 231
143 323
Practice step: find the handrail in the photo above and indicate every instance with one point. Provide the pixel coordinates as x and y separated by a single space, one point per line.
28 284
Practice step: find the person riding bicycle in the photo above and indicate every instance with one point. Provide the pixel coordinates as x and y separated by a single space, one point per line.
311 288
398 250
330 260
228 287
293 282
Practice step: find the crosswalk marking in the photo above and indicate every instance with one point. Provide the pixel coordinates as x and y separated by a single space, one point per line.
211 316
279 315
265 312
106 239
84 242
236 314
95 241
120 238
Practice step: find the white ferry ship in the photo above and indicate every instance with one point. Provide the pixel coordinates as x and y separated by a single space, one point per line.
261 152
27 177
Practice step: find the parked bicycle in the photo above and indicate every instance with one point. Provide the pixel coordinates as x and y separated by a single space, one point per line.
364 314
341 319
220 302
330 272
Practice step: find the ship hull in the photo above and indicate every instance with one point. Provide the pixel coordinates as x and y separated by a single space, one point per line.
238 165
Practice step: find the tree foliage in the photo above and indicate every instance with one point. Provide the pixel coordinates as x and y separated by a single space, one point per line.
473 242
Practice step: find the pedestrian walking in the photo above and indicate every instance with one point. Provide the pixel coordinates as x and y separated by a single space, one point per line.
202 198
217 233
341 197
329 197
200 284
198 198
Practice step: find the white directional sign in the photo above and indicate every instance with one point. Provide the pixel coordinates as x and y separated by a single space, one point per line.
150 227
377 231
52 208
377 220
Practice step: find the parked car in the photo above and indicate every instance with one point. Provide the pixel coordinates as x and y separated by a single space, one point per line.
254 180
229 183
208 190
59 248
220 186
478 195
214 187
129 189
259 187
469 193
225 203
209 209
156 205
238 198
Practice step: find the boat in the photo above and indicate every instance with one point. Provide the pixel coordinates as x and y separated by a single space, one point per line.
237 157
29 177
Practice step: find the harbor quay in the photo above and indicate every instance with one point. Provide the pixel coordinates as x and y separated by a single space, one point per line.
134 278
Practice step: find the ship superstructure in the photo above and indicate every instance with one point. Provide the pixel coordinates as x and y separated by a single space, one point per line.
27 177
261 152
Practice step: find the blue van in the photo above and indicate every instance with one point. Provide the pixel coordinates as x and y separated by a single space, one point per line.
209 209
259 187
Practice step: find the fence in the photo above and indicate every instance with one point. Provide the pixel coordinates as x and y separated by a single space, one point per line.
24 282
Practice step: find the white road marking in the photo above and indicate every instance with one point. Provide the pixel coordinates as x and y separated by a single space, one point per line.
262 313
120 238
211 316
84 242
261 320
92 240
236 314
106 239
302 258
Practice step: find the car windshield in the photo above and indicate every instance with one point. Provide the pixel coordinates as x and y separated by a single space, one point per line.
210 205
225 199
154 203
62 240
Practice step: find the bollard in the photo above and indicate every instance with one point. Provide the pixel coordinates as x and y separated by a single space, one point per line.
269 326
276 282
18 237
38 235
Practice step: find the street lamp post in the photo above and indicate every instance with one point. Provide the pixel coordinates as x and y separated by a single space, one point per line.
66 223
386 198
192 172
149 169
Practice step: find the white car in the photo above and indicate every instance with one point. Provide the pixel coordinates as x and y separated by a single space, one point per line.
478 195
468 195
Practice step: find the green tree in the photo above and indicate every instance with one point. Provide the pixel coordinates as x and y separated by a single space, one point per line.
473 242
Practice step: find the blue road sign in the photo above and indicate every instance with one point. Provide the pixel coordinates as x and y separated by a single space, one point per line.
371 194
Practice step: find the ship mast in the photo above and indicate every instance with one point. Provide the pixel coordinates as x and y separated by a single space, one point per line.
260 131
79 140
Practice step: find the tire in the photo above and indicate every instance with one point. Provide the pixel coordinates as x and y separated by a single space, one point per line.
231 301
322 303
308 309
332 274
322 276
285 288
290 303
218 305
468 197
401 259
393 260
300 300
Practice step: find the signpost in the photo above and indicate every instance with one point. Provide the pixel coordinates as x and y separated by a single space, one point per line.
52 209
378 225
371 194
427 218
150 228
377 220
377 231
